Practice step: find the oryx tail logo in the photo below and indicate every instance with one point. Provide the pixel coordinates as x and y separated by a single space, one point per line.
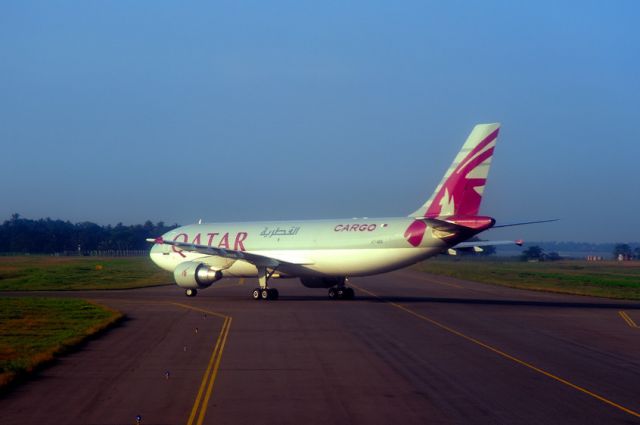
461 192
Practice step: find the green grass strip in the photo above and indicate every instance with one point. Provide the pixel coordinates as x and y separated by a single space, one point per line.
39 273
35 330
610 279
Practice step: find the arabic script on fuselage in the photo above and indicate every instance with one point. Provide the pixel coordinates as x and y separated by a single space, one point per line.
270 232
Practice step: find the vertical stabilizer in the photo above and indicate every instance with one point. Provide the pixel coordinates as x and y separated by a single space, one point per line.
460 191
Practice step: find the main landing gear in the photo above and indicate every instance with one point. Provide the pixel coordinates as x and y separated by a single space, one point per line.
191 292
341 293
264 292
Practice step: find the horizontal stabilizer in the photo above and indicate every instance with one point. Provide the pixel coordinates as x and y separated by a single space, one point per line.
444 226
459 226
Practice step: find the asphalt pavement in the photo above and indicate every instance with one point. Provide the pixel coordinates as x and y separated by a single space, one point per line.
412 348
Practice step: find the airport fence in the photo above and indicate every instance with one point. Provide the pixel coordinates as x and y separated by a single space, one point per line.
113 253
93 253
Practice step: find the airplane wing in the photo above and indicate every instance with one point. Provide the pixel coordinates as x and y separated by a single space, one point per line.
524 223
477 245
472 244
255 259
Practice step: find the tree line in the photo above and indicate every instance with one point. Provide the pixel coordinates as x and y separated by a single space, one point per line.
47 236
621 251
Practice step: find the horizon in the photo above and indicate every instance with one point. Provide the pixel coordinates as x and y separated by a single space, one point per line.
500 247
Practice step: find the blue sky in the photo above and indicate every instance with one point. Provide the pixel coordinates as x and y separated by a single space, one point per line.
127 111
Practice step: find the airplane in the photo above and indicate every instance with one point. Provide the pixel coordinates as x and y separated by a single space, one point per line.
325 253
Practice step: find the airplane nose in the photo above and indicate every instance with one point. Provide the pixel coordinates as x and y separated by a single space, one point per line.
161 257
155 254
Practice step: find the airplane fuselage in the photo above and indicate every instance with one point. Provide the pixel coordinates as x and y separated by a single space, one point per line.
347 247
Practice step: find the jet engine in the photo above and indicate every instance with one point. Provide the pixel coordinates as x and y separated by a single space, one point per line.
192 275
322 282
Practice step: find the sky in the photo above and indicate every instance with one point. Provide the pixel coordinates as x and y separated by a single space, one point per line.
114 111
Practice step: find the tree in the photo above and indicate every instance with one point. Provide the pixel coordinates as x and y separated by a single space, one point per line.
553 256
532 253
637 252
622 249
47 236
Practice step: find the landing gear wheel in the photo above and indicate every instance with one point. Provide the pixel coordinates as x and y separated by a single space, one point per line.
265 294
190 292
256 294
349 294
333 294
341 293
273 293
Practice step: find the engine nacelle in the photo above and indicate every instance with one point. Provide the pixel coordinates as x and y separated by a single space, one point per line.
192 275
322 282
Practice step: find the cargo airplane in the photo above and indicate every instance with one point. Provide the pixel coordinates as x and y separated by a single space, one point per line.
325 253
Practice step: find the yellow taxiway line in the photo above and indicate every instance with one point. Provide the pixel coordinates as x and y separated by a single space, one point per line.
504 355
201 403
199 409
627 319
439 282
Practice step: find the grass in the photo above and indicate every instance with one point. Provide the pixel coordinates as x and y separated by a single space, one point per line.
39 273
35 330
610 279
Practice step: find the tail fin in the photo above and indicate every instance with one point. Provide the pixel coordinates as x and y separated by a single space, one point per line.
460 191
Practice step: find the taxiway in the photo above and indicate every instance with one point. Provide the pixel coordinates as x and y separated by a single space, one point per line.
412 348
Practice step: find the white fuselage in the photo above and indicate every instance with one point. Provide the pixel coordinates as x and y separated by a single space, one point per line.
351 247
